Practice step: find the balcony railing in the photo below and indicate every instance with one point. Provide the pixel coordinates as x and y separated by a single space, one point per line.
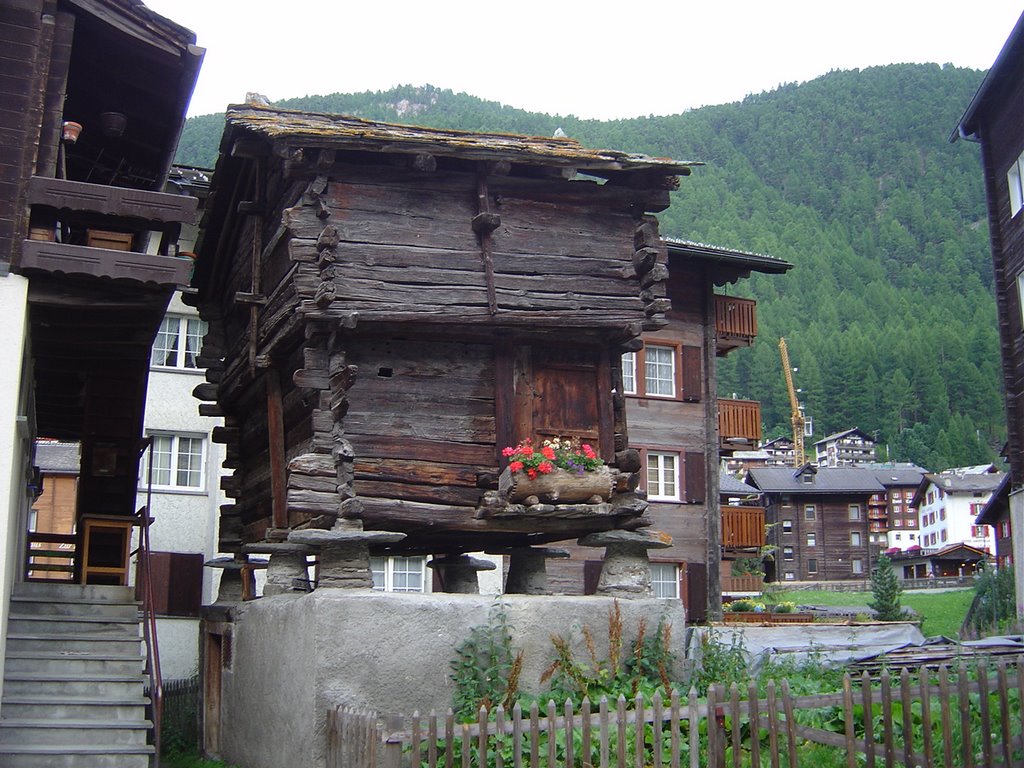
735 322
733 584
742 527
739 425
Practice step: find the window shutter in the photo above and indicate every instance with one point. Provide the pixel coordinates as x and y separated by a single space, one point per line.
177 583
695 481
692 377
696 593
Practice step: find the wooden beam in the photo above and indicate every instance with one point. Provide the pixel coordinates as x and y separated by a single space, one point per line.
276 447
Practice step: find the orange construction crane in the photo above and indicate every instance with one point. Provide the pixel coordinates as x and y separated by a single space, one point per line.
798 419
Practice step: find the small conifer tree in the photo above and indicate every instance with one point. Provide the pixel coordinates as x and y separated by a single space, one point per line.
886 589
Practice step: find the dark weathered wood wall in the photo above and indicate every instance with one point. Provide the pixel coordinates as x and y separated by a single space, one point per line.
832 528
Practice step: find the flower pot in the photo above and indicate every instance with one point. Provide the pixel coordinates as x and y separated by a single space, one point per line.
70 131
558 486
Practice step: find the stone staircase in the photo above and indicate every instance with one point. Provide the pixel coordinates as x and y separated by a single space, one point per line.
73 679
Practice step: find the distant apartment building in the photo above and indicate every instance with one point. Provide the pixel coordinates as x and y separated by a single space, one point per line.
844 449
893 521
948 504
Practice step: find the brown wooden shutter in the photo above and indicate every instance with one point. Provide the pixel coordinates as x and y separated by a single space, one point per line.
692 374
177 583
696 593
591 575
695 480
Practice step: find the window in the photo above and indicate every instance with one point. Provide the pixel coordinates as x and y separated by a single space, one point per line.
177 342
665 580
812 540
787 553
789 576
897 522
812 565
912 537
979 531
912 522
942 514
810 512
787 526
659 371
1014 185
944 535
857 565
399 574
854 538
177 462
854 511
629 373
897 537
662 476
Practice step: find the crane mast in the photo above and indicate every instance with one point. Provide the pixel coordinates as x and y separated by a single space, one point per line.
797 417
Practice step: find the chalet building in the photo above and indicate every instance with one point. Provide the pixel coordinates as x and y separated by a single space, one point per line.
743 537
671 406
773 453
92 102
956 561
993 120
892 519
996 515
948 504
818 518
844 449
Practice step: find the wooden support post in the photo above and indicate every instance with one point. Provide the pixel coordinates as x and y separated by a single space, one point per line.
275 436
484 223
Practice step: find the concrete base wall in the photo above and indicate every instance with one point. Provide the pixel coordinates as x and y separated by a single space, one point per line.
295 657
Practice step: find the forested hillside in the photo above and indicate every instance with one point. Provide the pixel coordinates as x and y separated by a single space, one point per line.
888 313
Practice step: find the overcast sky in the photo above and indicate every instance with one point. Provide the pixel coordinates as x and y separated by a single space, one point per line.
590 59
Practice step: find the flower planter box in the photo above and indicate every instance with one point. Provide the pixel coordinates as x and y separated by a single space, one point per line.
558 486
755 617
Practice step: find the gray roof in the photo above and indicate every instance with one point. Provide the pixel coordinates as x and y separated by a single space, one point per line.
727 484
756 262
1005 68
58 458
844 433
826 480
896 475
955 483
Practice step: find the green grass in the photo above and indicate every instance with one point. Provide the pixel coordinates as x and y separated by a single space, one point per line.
942 612
189 760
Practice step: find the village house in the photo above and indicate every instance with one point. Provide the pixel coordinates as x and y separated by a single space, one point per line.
91 107
818 520
844 449
993 119
892 519
996 515
948 504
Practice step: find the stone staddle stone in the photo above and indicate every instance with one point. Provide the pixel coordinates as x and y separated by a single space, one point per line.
287 563
230 589
459 572
344 554
626 570
527 569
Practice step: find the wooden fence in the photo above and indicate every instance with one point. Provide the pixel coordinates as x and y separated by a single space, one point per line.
967 716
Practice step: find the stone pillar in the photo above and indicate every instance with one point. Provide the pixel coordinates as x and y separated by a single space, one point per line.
288 565
626 570
527 569
344 552
459 572
233 573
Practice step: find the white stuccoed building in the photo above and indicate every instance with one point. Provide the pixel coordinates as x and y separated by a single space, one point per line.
948 503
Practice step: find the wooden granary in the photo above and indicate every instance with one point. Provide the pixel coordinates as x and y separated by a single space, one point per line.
390 306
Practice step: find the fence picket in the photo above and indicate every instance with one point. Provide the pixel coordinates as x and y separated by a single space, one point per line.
499 735
983 705
755 725
603 709
908 722
773 724
674 726
569 728
517 736
638 742
534 736
713 747
886 695
432 739
851 755
925 685
449 739
869 719
656 735
967 753
416 739
1004 707
787 703
620 710
552 741
1020 690
481 737
693 730
586 750
467 746
946 717
734 721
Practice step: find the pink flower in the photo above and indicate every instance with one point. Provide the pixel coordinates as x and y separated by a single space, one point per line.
515 466
588 451
507 451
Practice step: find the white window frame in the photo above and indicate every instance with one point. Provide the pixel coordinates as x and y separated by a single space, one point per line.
812 539
813 510
665 580
789 576
658 486
629 373
657 368
1015 185
853 511
857 566
189 328
170 445
788 553
855 539
812 565
787 526
390 573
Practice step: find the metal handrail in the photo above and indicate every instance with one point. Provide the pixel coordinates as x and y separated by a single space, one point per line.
148 614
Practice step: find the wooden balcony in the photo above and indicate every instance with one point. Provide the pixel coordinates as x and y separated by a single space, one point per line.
742 527
739 425
735 323
732 585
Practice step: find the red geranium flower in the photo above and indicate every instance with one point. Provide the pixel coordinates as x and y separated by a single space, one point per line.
549 452
545 467
531 473
515 466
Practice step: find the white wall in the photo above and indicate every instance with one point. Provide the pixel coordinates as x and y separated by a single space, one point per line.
15 445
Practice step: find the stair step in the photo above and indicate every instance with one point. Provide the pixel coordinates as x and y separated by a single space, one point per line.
37 706
77 606
81 662
28 641
21 731
120 686
56 590
75 755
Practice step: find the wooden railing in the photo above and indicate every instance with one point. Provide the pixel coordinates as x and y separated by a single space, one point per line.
50 556
739 424
949 716
734 584
735 322
742 526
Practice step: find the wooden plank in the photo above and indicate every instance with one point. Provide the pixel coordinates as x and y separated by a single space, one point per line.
851 756
276 447
967 751
924 683
986 720
908 721
887 738
787 704
773 724
869 720
946 717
